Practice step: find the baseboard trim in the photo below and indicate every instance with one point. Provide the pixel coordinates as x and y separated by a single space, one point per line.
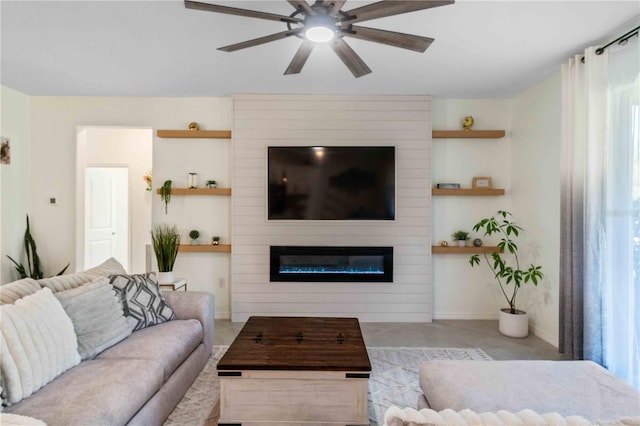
465 316
223 315
546 336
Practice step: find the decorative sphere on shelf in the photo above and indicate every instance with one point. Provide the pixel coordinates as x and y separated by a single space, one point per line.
467 123
444 243
194 126
477 242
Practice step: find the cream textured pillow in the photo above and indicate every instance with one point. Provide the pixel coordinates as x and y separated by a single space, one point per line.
109 267
97 316
11 292
38 344
65 282
395 416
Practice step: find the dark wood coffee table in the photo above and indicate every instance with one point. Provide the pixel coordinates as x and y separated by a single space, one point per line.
295 370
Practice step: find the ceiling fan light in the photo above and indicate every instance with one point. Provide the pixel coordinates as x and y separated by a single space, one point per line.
319 34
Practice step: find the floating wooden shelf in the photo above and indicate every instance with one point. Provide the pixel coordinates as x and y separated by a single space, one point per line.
465 250
467 134
468 191
193 134
205 248
198 191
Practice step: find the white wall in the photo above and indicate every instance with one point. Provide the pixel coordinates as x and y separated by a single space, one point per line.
459 291
525 163
54 124
14 180
535 161
263 120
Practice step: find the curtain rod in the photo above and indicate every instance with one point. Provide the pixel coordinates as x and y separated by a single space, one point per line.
620 40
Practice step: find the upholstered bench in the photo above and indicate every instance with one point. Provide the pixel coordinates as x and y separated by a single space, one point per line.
569 388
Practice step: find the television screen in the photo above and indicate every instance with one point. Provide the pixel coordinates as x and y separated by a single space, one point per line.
331 183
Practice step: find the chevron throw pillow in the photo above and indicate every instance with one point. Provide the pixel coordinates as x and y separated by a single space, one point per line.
141 299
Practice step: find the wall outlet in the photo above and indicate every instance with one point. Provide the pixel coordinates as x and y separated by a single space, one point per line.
53 201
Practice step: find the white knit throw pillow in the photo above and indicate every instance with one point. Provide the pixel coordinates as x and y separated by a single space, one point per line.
38 344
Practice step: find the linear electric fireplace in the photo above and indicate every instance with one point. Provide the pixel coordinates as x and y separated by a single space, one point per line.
322 263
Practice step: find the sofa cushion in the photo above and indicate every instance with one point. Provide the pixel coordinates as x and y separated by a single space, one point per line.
141 299
97 316
96 392
569 387
11 292
167 344
38 344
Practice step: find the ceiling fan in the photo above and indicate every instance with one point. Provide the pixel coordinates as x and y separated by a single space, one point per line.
324 21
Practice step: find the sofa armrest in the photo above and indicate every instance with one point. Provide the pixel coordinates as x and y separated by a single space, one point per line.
195 305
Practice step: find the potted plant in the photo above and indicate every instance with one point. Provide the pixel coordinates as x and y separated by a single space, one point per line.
513 322
165 194
215 240
194 234
461 237
166 240
211 184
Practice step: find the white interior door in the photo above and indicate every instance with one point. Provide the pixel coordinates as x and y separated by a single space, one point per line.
106 215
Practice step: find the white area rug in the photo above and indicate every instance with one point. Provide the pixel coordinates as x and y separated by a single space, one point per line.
393 381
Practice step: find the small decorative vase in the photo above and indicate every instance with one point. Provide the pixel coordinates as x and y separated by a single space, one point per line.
462 243
193 180
215 242
513 325
165 277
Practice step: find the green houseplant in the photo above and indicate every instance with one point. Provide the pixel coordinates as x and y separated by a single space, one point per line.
166 240
507 271
461 237
34 267
165 194
194 234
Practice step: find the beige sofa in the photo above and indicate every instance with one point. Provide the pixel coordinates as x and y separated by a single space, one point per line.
137 381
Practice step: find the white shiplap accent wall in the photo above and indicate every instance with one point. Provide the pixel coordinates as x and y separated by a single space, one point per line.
276 120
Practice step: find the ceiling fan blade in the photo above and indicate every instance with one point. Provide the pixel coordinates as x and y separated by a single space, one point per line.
386 8
350 58
391 38
189 4
302 4
258 41
337 5
300 58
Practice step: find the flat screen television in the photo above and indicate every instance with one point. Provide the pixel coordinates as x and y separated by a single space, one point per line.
331 183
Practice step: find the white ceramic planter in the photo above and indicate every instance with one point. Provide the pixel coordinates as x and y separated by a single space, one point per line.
462 243
514 325
165 277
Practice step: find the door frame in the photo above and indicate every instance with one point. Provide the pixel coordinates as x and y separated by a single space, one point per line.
81 163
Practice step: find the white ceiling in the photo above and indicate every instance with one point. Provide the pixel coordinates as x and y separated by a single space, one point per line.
160 48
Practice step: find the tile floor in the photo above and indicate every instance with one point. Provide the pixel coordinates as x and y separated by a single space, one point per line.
440 333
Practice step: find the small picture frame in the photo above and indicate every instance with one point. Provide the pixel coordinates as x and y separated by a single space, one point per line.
481 182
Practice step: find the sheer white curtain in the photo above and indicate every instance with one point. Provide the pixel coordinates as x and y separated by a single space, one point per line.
621 293
599 301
